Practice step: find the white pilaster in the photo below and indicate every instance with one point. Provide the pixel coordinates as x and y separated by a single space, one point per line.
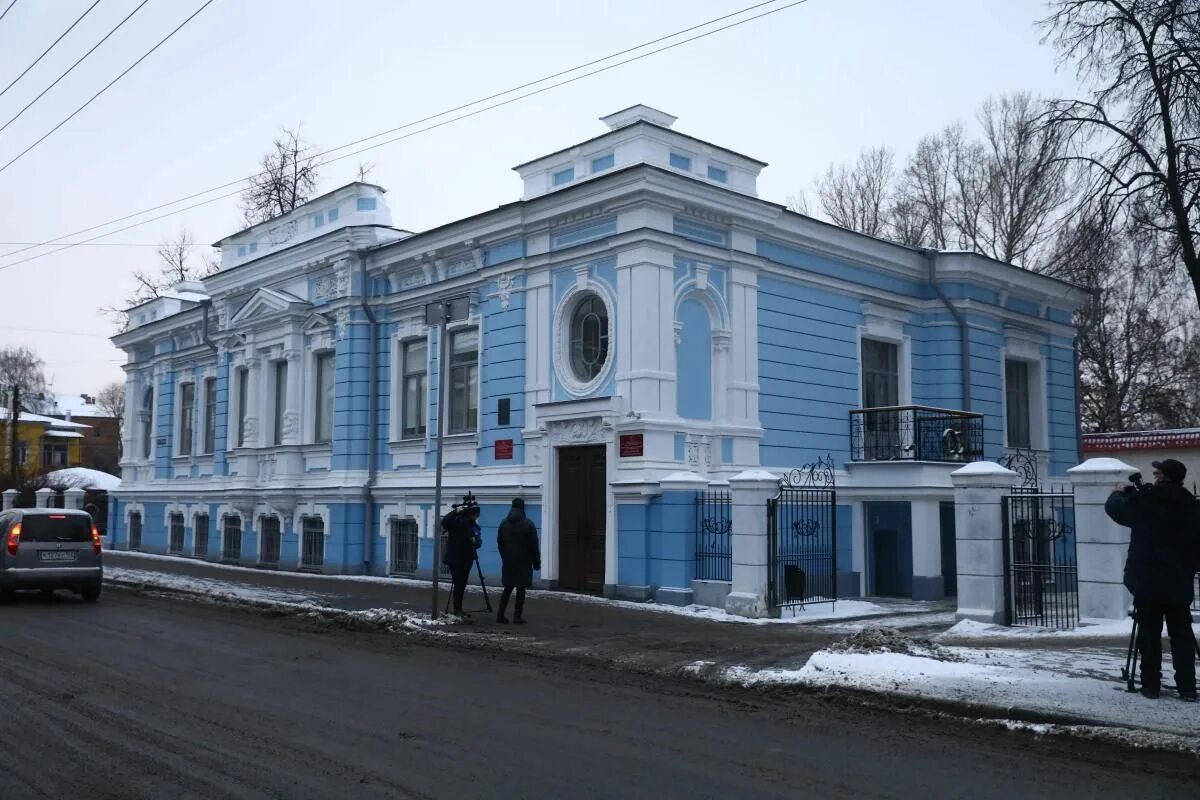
750 492
979 491
291 416
927 550
1101 545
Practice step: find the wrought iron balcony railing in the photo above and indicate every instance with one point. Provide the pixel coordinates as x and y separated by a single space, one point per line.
915 433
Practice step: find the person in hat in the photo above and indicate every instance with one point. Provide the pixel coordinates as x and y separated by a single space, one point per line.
517 541
1164 555
462 540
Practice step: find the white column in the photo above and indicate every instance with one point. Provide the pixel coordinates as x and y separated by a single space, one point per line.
927 550
291 414
252 400
979 492
721 343
858 530
44 496
743 380
750 492
1101 545
129 419
73 498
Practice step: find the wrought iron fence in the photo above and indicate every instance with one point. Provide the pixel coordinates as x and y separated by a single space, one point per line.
714 534
915 433
271 537
313 543
1041 574
802 538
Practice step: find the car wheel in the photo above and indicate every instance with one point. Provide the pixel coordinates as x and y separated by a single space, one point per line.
91 594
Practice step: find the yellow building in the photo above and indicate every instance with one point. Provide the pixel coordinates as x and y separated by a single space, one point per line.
43 443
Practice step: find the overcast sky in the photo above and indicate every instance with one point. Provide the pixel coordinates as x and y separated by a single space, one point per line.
799 89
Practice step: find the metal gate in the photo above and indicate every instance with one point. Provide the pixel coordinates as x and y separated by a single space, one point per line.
802 538
1041 575
714 526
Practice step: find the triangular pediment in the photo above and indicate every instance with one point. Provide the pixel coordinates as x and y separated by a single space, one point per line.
266 303
317 323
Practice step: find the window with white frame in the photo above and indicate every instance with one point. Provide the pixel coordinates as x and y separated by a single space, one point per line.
175 540
880 374
414 358
1017 403
243 386
187 417
464 380
210 415
323 426
280 405
589 337
148 423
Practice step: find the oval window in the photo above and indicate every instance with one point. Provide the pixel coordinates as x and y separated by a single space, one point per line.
589 338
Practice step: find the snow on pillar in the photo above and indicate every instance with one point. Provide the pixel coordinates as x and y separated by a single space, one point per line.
10 499
979 492
73 498
1101 545
45 498
750 492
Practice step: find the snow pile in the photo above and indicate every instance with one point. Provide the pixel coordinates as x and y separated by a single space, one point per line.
208 586
890 640
84 478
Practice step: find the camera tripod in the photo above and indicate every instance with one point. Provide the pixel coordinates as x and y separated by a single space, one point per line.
1129 671
479 571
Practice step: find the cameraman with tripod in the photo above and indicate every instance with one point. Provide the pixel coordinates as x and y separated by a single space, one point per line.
463 538
1164 554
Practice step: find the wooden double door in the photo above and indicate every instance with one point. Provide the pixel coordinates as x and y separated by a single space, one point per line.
582 487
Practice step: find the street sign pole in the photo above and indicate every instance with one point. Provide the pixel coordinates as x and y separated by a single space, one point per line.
442 310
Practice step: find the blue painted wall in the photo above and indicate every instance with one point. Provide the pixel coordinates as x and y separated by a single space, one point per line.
502 375
936 360
808 372
165 398
694 359
987 381
351 360
1061 404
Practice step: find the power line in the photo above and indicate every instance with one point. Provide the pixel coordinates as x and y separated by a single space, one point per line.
127 70
97 244
10 5
239 181
73 66
46 330
48 49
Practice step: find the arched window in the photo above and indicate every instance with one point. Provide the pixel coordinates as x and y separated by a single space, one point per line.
148 423
589 337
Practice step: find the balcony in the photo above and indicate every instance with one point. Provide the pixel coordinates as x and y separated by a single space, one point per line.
915 433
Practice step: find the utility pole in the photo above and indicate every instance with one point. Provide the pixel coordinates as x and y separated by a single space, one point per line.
14 413
438 315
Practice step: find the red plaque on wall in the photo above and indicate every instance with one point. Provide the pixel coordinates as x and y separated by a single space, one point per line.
631 445
503 449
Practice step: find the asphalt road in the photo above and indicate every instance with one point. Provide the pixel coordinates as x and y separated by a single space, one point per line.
148 697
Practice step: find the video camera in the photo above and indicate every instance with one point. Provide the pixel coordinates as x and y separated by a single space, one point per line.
1136 480
468 502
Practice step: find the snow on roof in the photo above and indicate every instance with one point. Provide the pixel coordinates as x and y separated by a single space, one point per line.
50 422
84 478
1141 440
75 405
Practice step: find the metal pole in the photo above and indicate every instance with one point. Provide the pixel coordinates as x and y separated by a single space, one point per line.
442 406
13 418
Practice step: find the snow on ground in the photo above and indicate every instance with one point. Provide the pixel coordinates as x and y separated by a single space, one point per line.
1081 683
1097 629
842 610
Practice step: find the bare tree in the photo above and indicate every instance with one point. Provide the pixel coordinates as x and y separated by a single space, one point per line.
22 368
289 177
111 400
176 264
858 196
1138 132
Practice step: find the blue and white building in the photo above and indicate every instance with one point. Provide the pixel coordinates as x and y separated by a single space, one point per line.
641 321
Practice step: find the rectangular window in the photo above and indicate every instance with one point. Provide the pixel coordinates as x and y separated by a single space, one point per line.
135 531
281 379
405 546
318 219
324 404
564 176
210 415
175 542
22 453
602 163
365 204
415 388
718 174
464 380
243 384
231 541
268 528
187 417
54 455
880 374
1016 403
253 248
241 250
680 161
200 536
312 543
333 215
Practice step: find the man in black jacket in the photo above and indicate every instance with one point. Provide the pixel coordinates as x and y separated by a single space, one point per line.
462 541
519 550
1164 554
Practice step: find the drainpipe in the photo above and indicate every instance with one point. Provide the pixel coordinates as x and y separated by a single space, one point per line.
372 416
963 333
1078 402
206 304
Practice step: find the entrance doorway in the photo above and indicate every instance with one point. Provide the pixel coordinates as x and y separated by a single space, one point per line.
949 550
889 534
582 485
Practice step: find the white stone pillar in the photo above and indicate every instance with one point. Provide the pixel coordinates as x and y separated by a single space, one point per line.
979 492
927 550
44 497
1101 545
129 420
10 499
291 416
73 498
750 492
252 400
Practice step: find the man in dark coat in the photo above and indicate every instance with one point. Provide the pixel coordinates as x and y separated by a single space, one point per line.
461 543
519 550
1164 555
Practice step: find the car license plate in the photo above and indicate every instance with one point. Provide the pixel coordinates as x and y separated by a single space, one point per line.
57 556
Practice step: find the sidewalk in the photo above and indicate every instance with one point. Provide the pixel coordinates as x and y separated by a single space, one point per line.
895 651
